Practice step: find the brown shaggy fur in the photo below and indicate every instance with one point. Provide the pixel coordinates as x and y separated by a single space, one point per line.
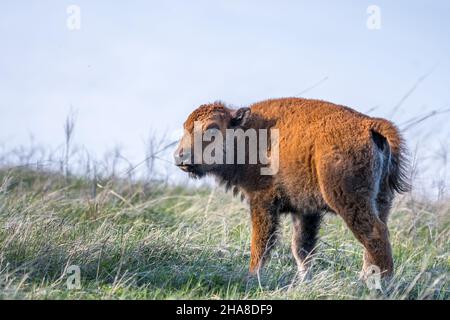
332 159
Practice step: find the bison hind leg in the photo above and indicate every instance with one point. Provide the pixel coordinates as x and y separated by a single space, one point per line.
304 238
353 192
362 218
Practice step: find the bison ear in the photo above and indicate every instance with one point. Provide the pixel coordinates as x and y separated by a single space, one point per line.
239 117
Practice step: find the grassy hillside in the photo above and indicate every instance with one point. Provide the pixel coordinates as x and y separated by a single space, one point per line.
146 241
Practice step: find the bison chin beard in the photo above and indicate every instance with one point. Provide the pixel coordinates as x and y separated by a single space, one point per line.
200 171
195 171
196 174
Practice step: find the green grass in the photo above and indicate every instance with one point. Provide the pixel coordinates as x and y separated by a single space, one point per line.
152 241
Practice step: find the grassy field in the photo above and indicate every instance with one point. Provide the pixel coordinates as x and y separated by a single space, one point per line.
153 241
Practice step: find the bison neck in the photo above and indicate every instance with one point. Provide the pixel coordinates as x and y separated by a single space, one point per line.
245 178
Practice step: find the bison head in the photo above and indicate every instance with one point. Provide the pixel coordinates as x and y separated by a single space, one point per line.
204 127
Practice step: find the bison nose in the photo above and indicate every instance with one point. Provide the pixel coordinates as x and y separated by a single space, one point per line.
182 157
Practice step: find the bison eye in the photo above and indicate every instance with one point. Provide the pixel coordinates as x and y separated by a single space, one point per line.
212 127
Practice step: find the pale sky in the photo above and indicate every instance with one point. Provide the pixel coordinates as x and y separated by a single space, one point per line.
141 66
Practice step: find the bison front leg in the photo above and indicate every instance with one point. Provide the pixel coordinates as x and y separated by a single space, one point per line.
264 229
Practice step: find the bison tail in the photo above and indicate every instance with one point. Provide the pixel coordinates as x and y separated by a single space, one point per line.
397 168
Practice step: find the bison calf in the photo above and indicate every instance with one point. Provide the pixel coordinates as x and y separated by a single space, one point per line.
331 159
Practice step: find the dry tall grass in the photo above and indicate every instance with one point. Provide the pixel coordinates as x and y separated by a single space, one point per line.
152 240
136 235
